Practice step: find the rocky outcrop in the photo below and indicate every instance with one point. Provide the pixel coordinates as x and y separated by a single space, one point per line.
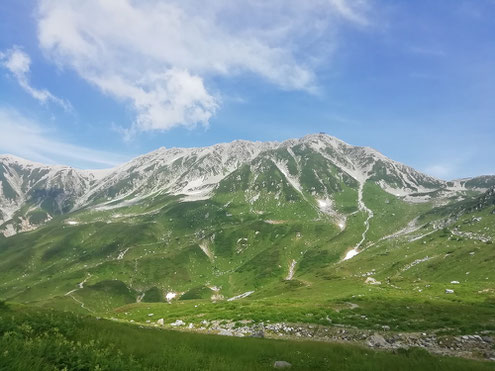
467 346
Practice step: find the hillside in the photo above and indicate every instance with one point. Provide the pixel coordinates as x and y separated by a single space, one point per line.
311 231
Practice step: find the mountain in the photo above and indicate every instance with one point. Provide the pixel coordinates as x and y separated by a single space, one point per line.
309 231
32 193
316 167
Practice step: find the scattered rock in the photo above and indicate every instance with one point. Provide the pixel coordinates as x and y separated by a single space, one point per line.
161 322
281 364
377 341
449 291
487 339
178 323
372 281
454 282
258 334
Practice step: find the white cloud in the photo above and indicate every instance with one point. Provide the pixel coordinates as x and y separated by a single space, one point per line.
19 64
163 100
159 55
26 138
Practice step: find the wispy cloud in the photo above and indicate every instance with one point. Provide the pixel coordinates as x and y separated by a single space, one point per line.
160 55
18 63
26 138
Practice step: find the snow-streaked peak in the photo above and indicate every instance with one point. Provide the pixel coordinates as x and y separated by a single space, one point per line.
195 173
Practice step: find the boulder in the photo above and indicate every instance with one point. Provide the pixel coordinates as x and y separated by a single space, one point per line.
377 341
282 364
224 332
372 281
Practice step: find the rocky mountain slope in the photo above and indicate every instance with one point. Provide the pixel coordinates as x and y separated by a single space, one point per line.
316 167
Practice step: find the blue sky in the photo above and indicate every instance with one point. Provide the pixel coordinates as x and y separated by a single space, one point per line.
92 84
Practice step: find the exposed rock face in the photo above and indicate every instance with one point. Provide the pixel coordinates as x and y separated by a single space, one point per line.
31 193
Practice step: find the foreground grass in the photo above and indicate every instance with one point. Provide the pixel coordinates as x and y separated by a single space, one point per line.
362 306
36 339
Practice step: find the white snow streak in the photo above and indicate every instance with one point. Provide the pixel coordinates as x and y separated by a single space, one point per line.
362 206
292 267
242 296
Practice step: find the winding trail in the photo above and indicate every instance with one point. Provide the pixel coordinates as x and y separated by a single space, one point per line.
81 303
362 206
80 286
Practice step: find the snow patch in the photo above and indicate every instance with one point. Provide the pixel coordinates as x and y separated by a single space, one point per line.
414 263
241 296
170 296
203 245
292 267
122 254
356 249
351 253
275 221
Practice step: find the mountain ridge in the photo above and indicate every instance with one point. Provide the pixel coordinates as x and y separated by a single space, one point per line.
195 173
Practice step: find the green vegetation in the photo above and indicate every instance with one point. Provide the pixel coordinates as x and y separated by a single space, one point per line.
272 235
35 339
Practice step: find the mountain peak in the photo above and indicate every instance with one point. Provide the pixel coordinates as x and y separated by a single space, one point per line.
314 166
9 158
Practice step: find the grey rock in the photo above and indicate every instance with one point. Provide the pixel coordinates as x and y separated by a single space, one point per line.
178 323
377 341
282 364
258 334
487 339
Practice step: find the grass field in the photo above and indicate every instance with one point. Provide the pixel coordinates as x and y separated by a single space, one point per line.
38 339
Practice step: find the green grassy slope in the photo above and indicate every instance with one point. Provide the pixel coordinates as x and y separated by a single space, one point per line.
266 233
46 340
